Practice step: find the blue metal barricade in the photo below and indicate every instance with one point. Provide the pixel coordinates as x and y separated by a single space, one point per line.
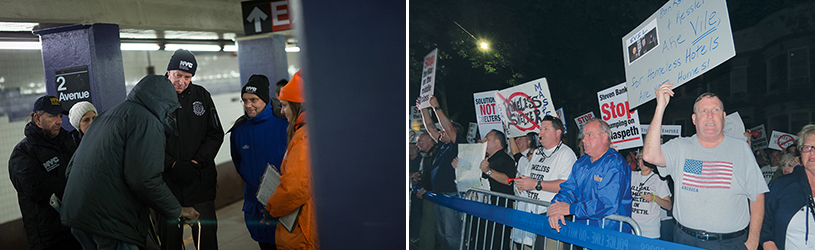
488 217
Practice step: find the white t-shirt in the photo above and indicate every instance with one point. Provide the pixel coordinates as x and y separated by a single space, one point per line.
647 213
557 166
797 229
768 172
712 186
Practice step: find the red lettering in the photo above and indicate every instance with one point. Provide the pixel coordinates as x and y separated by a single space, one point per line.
621 111
629 112
606 113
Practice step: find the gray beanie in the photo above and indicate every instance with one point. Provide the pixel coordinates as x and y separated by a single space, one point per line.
78 110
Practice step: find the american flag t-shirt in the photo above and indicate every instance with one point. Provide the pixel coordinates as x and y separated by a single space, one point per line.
708 174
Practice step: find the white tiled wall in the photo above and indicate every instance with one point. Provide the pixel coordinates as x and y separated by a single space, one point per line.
10 134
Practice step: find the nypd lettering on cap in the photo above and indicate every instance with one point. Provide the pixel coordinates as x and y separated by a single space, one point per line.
184 65
251 89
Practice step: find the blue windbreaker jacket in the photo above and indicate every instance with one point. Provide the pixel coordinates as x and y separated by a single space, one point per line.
595 190
254 142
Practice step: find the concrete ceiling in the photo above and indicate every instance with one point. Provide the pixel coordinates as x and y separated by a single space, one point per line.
220 16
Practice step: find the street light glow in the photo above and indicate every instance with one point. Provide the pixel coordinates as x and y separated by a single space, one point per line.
484 45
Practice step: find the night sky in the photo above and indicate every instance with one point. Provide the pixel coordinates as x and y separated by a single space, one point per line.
576 45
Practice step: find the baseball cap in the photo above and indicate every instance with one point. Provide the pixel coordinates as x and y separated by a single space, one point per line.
49 104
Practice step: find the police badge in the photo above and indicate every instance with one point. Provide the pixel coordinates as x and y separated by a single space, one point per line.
198 108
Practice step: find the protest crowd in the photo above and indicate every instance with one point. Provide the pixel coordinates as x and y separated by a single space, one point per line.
95 187
709 190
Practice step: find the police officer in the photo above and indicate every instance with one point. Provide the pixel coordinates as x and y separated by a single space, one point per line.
189 164
37 170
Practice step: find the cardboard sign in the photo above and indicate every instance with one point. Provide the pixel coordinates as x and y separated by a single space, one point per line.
523 107
667 130
624 123
468 171
734 127
428 79
582 119
562 116
781 140
679 42
759 137
485 113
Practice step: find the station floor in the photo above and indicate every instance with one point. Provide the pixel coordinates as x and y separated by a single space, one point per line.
232 233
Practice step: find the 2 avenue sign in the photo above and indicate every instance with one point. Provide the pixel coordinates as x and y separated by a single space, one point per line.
72 85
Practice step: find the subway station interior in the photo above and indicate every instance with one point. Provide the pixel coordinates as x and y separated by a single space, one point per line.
349 53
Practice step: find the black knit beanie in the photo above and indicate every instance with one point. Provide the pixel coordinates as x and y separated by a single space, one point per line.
258 85
183 60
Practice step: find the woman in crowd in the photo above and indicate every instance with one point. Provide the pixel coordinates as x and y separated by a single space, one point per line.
788 162
81 115
295 190
789 210
650 194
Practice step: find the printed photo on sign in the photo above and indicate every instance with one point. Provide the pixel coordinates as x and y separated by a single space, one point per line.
641 44
523 107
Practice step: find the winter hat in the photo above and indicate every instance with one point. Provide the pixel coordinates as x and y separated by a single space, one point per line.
258 85
183 60
78 110
293 91
49 104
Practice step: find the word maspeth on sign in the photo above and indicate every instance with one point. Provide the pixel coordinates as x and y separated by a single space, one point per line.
624 122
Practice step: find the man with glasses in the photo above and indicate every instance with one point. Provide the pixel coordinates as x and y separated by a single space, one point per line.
719 189
258 138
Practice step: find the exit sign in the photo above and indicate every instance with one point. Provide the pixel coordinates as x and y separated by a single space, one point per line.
261 16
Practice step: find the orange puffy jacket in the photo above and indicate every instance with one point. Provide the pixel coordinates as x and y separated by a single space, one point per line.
295 190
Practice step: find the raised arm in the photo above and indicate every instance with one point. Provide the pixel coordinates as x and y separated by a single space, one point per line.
428 123
443 120
652 151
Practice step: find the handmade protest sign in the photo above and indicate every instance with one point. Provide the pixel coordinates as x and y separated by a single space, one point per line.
759 137
523 107
679 42
734 127
582 119
781 140
624 123
468 171
485 113
428 79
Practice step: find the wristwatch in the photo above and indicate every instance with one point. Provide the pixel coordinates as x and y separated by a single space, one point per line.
489 172
437 108
539 187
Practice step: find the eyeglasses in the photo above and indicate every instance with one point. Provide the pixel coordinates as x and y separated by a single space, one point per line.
806 149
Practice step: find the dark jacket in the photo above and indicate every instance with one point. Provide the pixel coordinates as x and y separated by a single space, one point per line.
255 142
37 170
787 195
199 138
115 175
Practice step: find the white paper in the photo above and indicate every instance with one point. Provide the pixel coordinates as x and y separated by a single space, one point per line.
734 127
268 185
428 79
468 171
624 123
781 140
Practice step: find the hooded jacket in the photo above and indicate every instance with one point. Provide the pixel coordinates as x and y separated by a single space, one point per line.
296 190
199 138
37 170
255 142
115 175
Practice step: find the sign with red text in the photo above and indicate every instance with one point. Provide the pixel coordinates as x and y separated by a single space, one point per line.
581 121
759 136
428 78
485 114
523 107
263 16
679 42
781 140
624 123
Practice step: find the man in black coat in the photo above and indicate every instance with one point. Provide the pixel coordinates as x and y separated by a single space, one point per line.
189 163
37 170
